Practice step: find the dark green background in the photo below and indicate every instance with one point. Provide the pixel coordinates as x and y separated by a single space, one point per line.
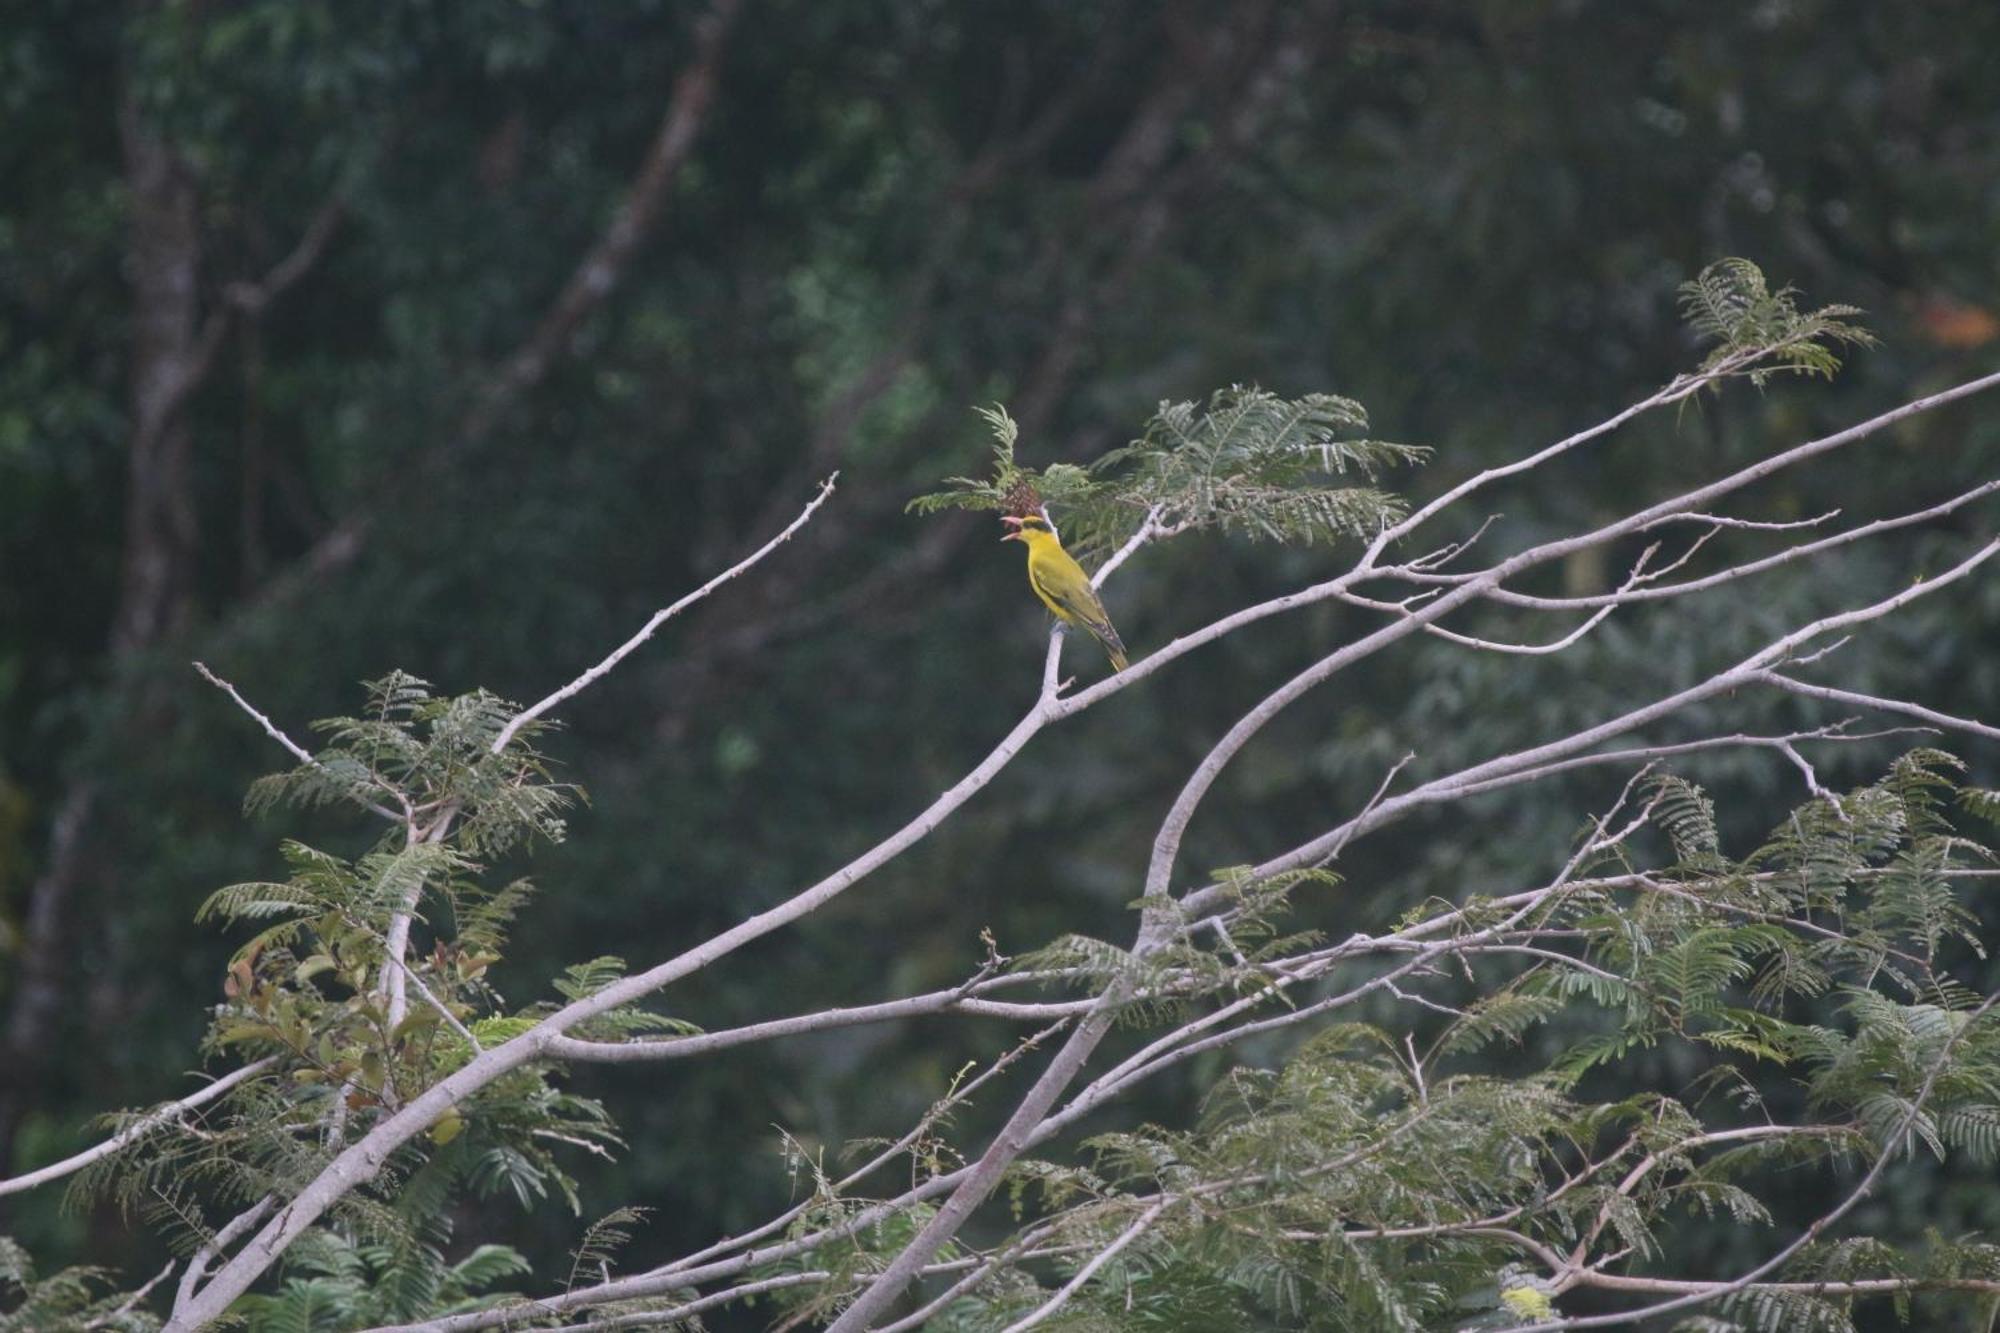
1472 217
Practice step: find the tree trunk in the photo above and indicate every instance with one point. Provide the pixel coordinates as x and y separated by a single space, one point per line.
168 358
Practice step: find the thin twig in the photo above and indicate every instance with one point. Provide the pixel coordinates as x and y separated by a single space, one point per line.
1855 699
1748 524
1541 759
822 1020
144 1125
1412 573
1149 528
292 747
956 1096
451 1019
661 617
1083 1275
131 1302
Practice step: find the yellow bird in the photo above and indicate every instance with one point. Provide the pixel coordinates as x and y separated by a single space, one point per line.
1062 585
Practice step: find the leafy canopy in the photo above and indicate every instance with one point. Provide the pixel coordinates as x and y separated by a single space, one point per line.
1248 461
306 991
1759 332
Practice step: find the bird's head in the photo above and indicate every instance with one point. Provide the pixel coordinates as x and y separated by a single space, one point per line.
1023 529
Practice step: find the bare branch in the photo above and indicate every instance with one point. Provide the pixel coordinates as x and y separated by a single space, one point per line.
921 1316
1167 843
1791 554
450 1019
1052 686
130 1303
1648 753
292 747
1449 552
1854 699
677 1313
137 1129
1515 766
1881 1286
1715 521
957 1095
1148 529
1382 787
1487 645
296 750
1681 387
1083 1275
198 1263
984 1176
1645 1165
396 939
661 617
660 1318
399 923
936 1002
1799 761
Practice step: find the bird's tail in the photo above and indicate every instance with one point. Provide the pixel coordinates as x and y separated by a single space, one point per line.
1113 645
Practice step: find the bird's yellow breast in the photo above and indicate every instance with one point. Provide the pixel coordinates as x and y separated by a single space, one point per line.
1065 589
1054 575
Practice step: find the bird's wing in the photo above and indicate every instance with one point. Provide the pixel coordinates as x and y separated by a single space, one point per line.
1070 593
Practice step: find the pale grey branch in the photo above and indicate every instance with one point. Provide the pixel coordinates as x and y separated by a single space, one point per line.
231 1232
660 617
936 1002
1854 699
292 747
1048 1308
137 1129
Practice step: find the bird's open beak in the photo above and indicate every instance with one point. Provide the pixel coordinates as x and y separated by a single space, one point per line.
1015 535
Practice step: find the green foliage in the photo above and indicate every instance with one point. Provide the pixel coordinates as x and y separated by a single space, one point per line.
1766 1310
1248 462
626 1022
333 1284
308 985
312 988
592 1258
1758 332
431 755
73 1299
1060 485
